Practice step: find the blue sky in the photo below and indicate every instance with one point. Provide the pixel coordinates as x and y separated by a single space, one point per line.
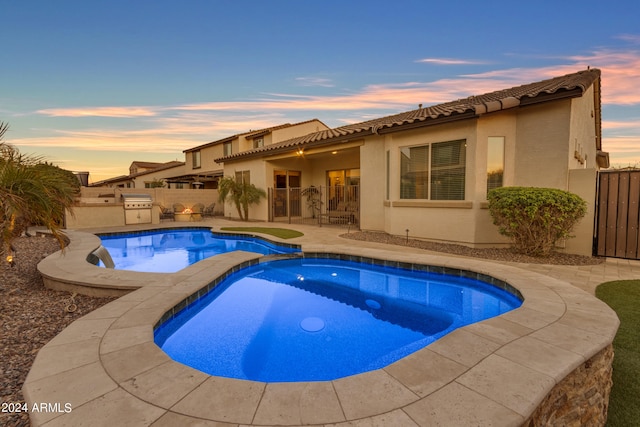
96 85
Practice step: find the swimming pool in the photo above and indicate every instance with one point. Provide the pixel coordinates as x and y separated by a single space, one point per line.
171 250
311 319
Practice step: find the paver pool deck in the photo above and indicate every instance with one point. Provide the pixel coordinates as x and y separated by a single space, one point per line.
109 371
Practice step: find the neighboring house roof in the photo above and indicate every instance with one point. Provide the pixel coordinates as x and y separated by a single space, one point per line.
249 134
163 166
147 165
568 86
109 181
196 176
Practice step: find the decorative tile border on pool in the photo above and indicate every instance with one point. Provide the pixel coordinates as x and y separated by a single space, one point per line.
200 228
193 298
436 269
257 236
152 231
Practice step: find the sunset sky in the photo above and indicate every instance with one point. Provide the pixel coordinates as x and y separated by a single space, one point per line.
93 86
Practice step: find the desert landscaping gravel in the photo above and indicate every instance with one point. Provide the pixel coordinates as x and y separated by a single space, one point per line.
495 254
30 316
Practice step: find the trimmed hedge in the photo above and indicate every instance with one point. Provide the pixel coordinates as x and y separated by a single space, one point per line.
535 218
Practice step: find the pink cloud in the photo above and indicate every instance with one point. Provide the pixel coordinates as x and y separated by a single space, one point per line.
622 144
631 38
121 112
314 81
171 129
620 78
623 151
620 83
621 124
449 61
165 134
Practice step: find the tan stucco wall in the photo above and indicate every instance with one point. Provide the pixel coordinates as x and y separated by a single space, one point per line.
502 124
582 136
536 154
301 129
341 160
244 143
450 221
583 183
497 124
95 215
150 177
542 145
207 164
102 207
373 183
258 177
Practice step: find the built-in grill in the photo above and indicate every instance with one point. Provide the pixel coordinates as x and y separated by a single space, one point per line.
137 208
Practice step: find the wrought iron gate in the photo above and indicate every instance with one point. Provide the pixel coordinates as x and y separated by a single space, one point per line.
339 205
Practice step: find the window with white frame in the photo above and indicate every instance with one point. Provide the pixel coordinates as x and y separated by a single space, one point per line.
258 142
433 171
227 149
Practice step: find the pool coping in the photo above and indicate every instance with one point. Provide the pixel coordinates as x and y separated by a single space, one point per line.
494 372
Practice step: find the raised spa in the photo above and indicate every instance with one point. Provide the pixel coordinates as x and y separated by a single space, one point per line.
310 319
171 250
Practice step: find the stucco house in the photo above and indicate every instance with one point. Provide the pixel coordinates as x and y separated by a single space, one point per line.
426 172
143 175
201 169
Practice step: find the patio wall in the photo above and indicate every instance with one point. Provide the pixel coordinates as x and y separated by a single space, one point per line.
103 207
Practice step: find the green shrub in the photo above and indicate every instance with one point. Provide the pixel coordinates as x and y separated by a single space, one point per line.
535 218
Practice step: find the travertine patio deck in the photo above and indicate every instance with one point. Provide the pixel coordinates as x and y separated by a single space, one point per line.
107 367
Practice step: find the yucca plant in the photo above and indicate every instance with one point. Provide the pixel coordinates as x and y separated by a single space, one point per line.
32 192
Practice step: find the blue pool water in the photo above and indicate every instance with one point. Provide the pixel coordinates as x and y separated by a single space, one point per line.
168 251
318 319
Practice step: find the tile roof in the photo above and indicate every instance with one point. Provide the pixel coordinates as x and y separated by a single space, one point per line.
570 85
149 165
163 166
249 134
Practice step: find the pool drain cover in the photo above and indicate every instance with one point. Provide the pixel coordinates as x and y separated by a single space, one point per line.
312 324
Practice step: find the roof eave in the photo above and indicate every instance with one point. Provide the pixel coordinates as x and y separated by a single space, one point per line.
454 117
312 144
553 96
210 144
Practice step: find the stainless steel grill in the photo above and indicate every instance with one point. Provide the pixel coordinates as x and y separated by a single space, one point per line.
137 208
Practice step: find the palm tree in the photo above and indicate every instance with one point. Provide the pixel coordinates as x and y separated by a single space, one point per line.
32 192
240 194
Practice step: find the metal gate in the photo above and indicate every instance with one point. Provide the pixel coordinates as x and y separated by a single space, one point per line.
618 214
338 205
